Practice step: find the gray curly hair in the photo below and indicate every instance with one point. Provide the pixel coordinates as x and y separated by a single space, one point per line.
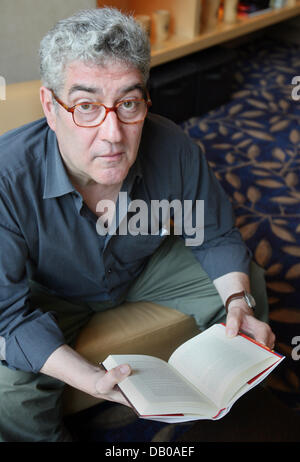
95 36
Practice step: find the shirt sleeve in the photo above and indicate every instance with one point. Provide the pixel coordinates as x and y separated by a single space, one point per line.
27 335
222 249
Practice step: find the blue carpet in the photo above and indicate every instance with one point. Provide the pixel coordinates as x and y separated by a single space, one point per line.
252 144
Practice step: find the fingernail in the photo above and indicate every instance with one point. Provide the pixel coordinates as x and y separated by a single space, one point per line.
124 369
230 333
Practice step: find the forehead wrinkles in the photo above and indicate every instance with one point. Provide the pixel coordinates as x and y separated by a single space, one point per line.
94 90
102 80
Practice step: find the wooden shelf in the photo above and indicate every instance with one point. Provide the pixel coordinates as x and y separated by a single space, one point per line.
177 47
185 38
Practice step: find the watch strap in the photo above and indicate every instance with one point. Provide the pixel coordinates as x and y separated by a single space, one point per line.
237 295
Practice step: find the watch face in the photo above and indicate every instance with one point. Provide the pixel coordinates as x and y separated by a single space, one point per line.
250 300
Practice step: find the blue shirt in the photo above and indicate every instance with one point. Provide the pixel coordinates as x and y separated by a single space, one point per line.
49 235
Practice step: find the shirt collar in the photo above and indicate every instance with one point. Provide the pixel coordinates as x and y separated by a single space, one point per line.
135 173
57 182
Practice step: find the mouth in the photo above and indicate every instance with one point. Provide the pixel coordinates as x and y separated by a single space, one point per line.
113 157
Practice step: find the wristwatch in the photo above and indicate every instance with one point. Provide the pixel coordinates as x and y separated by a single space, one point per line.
249 299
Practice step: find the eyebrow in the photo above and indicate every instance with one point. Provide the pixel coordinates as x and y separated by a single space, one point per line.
76 87
95 90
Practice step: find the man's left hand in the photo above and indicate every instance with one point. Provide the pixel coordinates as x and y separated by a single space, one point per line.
241 318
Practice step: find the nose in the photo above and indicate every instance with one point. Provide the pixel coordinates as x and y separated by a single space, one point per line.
110 130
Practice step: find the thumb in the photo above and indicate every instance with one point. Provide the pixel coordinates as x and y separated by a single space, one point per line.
113 377
119 373
233 322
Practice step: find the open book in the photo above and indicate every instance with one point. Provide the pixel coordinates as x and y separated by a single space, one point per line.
203 378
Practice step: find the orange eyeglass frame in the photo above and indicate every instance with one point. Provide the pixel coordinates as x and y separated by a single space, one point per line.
107 109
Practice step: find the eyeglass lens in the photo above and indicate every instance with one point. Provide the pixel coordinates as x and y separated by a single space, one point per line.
129 111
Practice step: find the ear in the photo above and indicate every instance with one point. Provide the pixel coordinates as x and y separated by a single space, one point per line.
48 107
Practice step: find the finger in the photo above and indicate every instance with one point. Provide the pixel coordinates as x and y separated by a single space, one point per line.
261 332
233 322
112 378
266 337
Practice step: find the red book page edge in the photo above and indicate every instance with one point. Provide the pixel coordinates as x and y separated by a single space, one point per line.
162 415
258 375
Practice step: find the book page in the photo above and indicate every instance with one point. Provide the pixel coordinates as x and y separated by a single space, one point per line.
234 393
214 362
155 387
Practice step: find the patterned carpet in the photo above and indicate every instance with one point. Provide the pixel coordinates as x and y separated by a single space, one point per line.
252 144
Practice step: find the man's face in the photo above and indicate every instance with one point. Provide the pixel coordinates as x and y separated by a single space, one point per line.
102 154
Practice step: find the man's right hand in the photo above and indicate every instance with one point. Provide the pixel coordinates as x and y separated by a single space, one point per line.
105 385
70 367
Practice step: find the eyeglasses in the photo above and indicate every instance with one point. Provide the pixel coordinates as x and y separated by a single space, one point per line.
89 115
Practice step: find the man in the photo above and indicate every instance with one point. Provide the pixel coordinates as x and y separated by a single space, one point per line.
97 142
